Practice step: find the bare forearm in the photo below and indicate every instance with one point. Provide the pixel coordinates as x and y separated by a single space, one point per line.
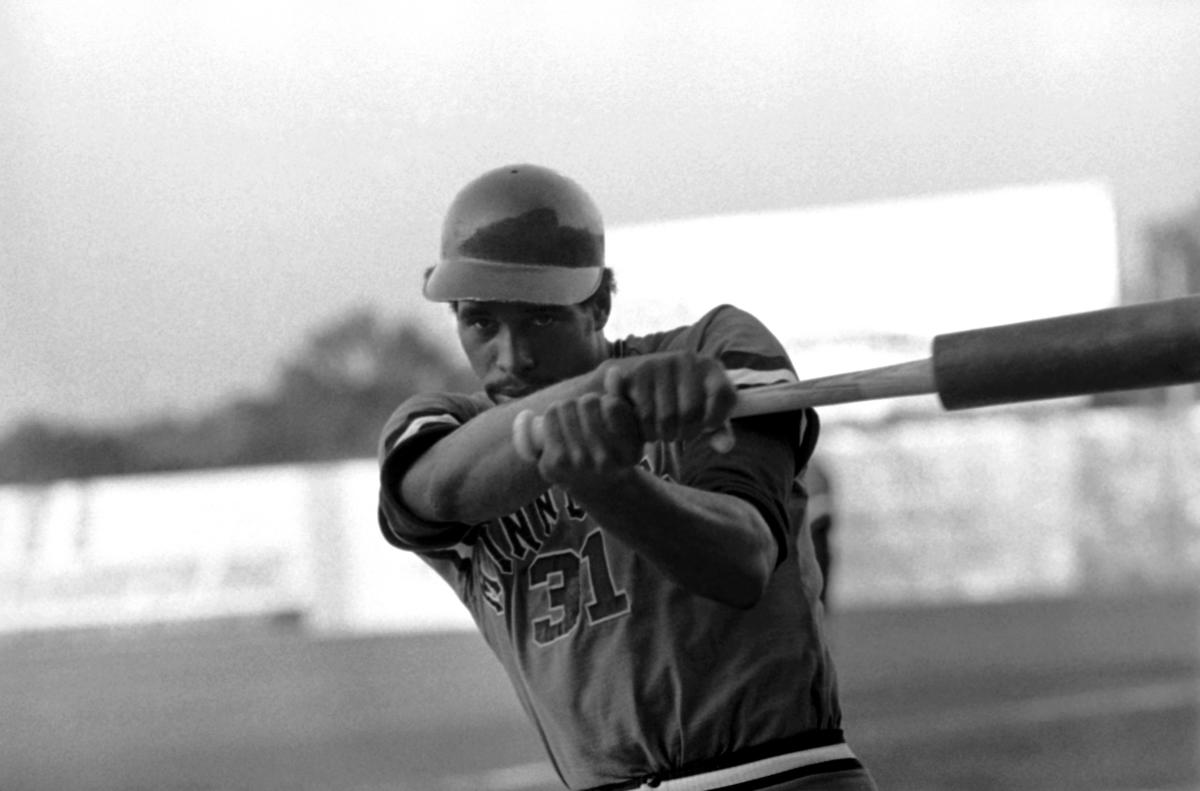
474 474
715 545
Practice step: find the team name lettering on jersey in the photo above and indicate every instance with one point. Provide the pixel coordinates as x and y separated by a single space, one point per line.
576 584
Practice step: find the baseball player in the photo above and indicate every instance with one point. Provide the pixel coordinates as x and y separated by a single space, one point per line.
645 591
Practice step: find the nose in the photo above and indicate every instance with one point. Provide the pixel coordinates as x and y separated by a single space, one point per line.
513 352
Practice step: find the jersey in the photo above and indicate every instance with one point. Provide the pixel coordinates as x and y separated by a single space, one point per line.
819 521
623 672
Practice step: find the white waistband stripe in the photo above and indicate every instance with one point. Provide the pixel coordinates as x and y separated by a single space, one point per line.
755 770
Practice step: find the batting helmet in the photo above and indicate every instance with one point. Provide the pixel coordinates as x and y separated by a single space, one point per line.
520 233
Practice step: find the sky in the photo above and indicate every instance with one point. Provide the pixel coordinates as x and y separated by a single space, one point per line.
188 189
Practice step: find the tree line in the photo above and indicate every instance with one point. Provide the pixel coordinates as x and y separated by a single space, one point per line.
329 402
331 399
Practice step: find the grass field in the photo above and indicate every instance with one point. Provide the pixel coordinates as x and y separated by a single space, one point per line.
1089 693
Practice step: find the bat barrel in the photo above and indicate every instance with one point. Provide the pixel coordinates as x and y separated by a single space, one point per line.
1153 344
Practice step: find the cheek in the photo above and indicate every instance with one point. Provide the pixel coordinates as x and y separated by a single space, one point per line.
477 355
566 355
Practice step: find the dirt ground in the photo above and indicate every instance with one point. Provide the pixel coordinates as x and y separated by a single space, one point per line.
1083 693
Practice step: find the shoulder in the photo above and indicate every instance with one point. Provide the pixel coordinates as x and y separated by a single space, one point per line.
725 322
749 350
722 325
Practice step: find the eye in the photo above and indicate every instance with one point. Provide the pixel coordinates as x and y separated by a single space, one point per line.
546 318
477 323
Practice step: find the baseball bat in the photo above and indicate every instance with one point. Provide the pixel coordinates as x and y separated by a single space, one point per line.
1132 347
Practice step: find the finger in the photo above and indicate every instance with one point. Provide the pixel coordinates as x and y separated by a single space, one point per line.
723 439
604 447
574 444
720 397
666 415
640 392
614 382
590 409
552 434
619 406
690 397
620 418
666 400
525 438
621 426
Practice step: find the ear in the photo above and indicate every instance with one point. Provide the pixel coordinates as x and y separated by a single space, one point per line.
600 309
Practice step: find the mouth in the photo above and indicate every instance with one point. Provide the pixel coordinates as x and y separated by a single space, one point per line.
509 392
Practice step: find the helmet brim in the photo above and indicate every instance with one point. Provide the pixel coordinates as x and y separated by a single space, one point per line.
490 281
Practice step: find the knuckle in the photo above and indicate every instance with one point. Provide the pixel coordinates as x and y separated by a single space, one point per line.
577 457
591 405
550 465
691 404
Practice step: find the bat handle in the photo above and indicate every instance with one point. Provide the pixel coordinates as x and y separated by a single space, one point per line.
529 436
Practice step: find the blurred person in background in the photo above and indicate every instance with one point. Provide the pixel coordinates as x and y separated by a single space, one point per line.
636 571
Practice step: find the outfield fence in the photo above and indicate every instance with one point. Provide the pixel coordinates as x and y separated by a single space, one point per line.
981 506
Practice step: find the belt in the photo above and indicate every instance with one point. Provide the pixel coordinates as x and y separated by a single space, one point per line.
764 772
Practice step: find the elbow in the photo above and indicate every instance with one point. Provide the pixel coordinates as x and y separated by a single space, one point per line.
747 587
446 504
745 568
431 498
437 506
746 584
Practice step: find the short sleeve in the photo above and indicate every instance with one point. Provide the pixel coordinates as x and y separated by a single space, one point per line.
771 449
412 429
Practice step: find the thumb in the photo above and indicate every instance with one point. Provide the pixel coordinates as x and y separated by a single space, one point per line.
722 439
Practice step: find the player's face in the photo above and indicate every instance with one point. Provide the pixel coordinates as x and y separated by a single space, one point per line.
517 348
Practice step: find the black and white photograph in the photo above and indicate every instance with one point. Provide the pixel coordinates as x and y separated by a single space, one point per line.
577 396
